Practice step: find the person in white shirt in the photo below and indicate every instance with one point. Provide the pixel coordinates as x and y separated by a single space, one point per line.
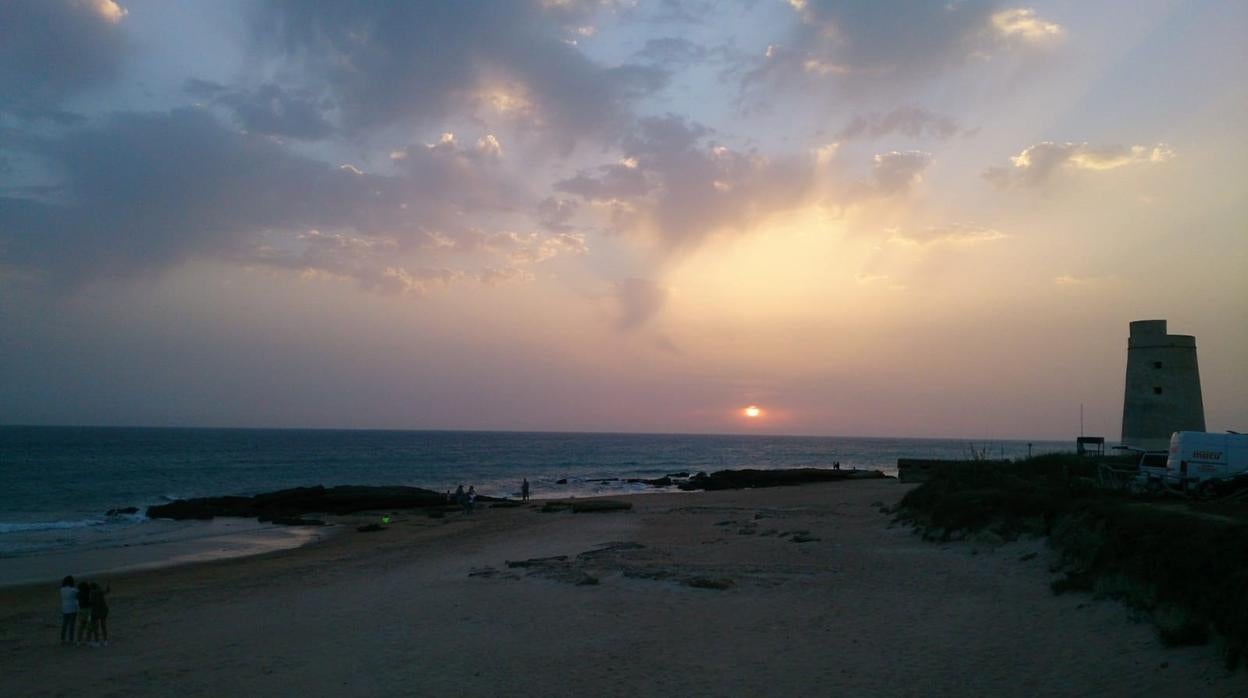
69 610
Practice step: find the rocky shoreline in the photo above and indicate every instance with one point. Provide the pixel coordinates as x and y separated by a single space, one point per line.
291 506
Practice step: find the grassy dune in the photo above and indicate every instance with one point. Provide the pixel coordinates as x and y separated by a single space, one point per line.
1183 563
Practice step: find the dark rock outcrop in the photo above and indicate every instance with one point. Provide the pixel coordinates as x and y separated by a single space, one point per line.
708 583
294 503
744 479
123 510
597 505
665 481
587 506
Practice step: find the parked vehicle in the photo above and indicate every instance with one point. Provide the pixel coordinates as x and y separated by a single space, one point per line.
1152 469
1199 460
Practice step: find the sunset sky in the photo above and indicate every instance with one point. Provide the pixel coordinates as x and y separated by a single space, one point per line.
864 218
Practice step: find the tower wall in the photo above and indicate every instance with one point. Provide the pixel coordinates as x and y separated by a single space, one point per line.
1163 387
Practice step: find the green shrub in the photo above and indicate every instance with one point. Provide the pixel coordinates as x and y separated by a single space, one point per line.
1186 565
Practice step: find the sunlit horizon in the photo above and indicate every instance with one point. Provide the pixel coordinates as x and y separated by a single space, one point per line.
929 220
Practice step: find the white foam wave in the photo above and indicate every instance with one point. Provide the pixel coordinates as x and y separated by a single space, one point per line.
27 526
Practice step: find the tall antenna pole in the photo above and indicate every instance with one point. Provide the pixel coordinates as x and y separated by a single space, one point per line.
1081 419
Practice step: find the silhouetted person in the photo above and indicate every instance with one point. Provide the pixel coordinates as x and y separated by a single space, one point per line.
69 610
99 614
84 610
472 499
460 498
524 490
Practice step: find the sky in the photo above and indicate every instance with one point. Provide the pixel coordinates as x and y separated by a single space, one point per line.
909 218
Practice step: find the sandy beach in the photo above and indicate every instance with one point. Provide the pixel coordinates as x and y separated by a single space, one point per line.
784 591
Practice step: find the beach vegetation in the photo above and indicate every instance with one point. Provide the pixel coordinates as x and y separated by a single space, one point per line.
1183 564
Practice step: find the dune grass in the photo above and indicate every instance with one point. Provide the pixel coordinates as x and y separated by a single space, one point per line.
1182 564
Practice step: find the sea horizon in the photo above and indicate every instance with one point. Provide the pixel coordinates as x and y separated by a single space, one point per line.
585 432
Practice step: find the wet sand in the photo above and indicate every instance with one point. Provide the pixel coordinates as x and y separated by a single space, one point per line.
784 591
151 545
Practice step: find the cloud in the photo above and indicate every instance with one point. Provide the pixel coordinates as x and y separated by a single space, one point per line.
1037 163
912 122
953 234
1024 24
883 38
611 182
553 214
880 44
51 49
870 278
898 172
142 192
637 301
389 62
269 109
676 185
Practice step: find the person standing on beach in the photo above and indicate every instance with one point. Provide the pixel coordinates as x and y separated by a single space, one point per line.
524 490
99 614
84 610
69 610
472 499
460 498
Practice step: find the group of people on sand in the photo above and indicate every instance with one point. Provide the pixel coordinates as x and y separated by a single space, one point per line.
468 499
84 605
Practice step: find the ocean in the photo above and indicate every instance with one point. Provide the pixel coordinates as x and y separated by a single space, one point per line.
59 482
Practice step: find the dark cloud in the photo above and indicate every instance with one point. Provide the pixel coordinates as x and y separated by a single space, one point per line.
390 61
50 49
143 192
676 185
908 35
872 45
912 122
637 301
616 181
554 214
269 109
897 172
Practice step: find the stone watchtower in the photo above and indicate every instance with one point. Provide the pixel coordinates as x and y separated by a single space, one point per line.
1163 387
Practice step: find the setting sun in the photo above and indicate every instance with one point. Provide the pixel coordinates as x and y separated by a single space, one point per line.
753 411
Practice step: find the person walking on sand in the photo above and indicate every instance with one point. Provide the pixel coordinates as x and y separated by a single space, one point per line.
524 490
460 498
472 499
84 611
99 614
69 610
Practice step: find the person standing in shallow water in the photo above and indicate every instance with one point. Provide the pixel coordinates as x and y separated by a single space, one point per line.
69 610
524 490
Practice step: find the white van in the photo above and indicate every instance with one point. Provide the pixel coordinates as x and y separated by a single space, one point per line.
1197 457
